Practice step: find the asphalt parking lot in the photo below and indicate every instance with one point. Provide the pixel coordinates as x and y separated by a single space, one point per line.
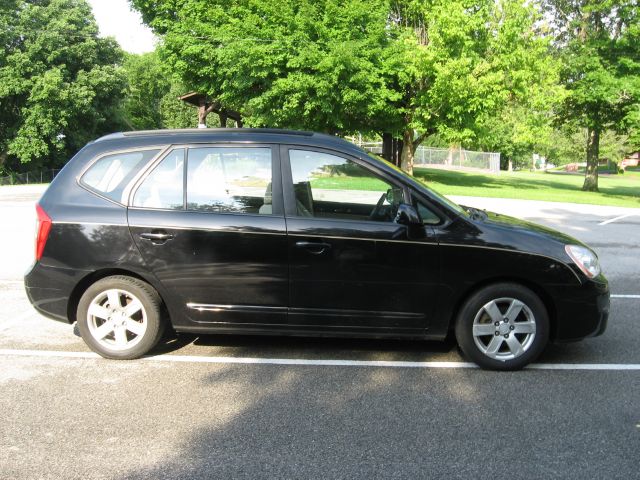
247 407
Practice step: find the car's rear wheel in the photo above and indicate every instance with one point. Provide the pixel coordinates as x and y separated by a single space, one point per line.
119 317
503 326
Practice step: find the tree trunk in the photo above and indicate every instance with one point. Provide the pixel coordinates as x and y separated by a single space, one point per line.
408 150
387 147
397 151
391 148
591 174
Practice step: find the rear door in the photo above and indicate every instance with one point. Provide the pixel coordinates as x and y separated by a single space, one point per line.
353 268
209 223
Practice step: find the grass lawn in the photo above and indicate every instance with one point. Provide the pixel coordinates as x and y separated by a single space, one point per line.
618 190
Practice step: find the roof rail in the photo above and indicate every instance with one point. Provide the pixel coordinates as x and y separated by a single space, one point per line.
205 131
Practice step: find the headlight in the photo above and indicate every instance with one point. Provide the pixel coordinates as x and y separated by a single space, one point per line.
585 259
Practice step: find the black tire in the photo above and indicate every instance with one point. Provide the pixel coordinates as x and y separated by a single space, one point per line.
481 348
149 316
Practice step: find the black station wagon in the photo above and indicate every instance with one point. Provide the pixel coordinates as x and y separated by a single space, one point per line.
253 231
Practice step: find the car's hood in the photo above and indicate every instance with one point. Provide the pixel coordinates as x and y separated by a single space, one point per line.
530 228
502 231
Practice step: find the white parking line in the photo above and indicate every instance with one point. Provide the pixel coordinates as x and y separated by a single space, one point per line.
625 296
322 363
607 222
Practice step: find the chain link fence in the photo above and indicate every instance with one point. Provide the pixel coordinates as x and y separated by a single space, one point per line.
457 158
42 176
448 158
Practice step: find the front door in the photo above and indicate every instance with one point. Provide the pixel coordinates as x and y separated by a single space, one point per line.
209 223
352 268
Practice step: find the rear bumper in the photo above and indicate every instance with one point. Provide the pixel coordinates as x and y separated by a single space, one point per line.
49 289
582 312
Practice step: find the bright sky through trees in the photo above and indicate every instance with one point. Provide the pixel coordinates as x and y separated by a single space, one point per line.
115 18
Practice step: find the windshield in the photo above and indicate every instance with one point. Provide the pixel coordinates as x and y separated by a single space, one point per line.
451 204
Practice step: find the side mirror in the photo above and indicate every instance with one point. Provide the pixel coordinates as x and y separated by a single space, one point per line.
394 196
407 215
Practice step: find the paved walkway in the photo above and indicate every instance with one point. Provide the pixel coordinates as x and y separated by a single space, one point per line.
536 208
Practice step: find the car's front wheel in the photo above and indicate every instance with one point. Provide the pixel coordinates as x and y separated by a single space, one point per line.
503 326
119 317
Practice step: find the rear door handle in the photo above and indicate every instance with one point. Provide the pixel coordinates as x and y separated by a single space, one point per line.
157 237
316 248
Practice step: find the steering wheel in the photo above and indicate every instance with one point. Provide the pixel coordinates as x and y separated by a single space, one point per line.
376 213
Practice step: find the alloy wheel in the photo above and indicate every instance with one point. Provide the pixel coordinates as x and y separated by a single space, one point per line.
117 319
504 328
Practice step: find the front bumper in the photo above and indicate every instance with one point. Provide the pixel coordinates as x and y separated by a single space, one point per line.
582 311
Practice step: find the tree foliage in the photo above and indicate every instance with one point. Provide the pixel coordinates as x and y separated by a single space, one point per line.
523 123
568 144
60 85
469 70
302 64
152 96
177 114
146 87
412 68
438 67
486 74
599 44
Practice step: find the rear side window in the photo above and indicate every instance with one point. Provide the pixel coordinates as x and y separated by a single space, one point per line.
110 174
164 187
229 180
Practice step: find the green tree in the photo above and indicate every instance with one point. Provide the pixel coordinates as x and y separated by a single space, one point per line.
599 44
152 96
178 114
567 144
303 64
413 68
530 80
146 86
60 84
475 73
613 148
436 64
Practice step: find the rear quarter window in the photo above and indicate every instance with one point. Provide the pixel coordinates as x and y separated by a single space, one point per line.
110 174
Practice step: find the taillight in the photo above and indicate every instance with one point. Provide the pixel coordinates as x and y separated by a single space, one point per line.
42 231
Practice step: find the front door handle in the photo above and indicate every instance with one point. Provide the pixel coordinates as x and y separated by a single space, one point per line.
315 248
157 238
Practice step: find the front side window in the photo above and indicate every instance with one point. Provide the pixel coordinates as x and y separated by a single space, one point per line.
329 186
229 180
163 187
110 174
427 215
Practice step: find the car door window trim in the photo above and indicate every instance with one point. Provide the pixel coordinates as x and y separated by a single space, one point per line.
386 240
207 229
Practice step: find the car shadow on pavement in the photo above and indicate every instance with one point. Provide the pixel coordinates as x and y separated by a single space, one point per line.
307 347
265 421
